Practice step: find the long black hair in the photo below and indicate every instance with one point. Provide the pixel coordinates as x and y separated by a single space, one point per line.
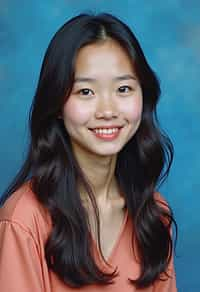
51 166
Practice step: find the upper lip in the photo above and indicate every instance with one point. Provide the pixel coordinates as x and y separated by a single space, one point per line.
106 127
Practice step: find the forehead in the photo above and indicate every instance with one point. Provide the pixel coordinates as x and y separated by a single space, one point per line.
103 57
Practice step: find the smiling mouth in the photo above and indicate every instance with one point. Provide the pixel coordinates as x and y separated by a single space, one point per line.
106 133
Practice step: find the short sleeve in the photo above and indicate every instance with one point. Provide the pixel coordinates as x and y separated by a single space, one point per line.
20 268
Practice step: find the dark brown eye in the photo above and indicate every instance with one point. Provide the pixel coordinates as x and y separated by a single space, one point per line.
85 91
124 89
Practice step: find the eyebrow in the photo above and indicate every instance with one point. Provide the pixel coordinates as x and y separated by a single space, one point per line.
117 78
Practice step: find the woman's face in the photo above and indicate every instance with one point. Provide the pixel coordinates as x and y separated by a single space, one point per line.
104 108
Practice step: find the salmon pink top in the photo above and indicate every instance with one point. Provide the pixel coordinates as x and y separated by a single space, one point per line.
24 229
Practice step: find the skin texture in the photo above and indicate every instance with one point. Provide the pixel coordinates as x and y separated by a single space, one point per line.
103 101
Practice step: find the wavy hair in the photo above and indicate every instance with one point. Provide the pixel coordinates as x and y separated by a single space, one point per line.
142 165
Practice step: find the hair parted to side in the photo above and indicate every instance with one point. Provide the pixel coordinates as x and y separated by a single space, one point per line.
142 164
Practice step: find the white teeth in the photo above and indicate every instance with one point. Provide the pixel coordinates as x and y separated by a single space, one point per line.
106 131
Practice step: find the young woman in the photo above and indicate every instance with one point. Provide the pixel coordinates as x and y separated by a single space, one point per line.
84 211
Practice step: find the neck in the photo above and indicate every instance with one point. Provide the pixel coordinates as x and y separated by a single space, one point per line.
100 173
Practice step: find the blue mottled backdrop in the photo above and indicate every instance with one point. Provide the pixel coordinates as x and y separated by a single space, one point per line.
169 32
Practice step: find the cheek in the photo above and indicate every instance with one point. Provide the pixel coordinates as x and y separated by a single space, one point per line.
133 110
75 113
136 112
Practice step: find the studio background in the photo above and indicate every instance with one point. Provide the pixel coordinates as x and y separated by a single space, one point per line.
169 33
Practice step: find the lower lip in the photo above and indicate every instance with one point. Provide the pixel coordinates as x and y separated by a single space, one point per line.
107 137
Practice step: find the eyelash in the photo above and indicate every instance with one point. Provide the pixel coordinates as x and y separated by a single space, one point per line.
81 91
124 86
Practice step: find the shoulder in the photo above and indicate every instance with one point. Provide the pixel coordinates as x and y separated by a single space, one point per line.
161 200
23 209
165 210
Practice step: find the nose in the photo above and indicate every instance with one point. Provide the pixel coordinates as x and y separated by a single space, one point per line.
106 109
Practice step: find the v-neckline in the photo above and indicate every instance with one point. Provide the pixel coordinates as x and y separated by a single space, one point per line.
116 243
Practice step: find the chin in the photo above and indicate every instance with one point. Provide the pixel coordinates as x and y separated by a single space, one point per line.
105 152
